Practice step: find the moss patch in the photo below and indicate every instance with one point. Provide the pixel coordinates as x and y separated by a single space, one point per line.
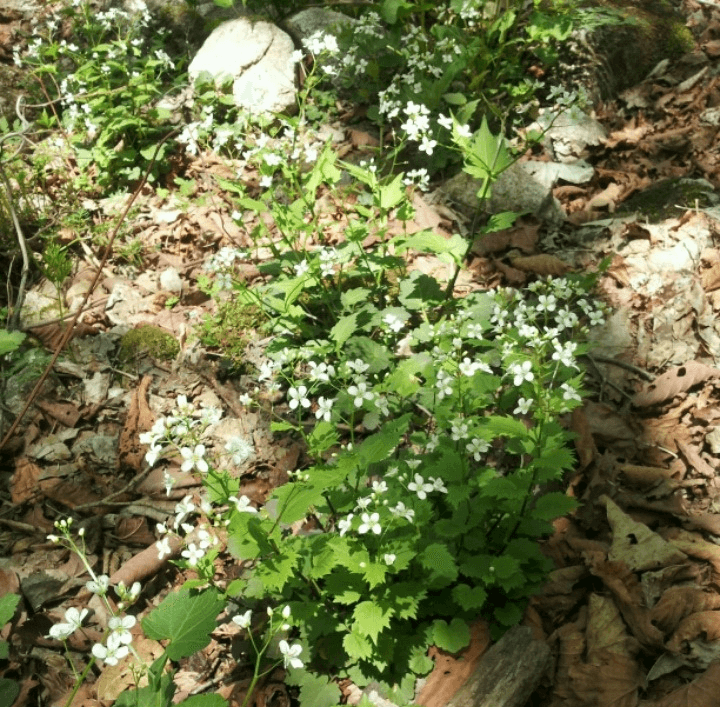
148 340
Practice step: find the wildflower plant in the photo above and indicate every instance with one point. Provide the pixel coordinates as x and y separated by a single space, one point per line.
103 87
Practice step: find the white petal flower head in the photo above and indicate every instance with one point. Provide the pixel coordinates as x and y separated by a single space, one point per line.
290 654
286 612
389 558
242 504
193 554
194 459
99 585
370 521
421 488
240 450
243 620
113 652
345 524
164 549
522 372
298 397
73 621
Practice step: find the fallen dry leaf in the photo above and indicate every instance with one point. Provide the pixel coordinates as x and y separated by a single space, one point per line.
674 381
541 265
678 602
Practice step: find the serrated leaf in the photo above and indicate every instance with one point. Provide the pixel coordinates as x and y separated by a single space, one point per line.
451 637
185 618
295 500
419 291
469 597
420 663
449 250
405 598
10 341
378 446
350 298
440 564
344 328
147 696
315 690
358 647
508 615
553 505
370 619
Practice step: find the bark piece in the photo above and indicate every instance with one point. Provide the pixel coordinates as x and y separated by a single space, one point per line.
508 673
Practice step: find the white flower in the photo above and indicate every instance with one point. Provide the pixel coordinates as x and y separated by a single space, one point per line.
121 625
152 454
168 482
99 585
569 393
290 654
379 487
523 406
459 430
324 410
183 406
73 621
345 524
358 365
402 512
243 620
266 181
321 371
438 484
193 554
298 396
242 504
427 145
420 487
445 122
301 268
464 131
360 393
363 503
394 322
286 612
113 652
240 450
194 459
370 521
522 372
183 509
389 558
477 447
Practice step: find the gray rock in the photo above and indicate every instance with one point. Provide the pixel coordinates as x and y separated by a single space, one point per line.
305 23
569 133
515 190
257 56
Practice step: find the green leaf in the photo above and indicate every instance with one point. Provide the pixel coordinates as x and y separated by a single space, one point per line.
378 446
358 647
4 650
9 690
147 696
405 598
315 690
509 615
8 604
455 99
553 505
440 564
453 637
204 701
469 598
420 291
295 500
352 297
10 341
344 328
275 571
391 194
370 619
420 663
449 250
185 618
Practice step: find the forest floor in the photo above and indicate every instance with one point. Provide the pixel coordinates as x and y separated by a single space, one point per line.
632 613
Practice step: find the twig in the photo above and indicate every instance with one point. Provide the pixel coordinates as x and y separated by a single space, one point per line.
621 364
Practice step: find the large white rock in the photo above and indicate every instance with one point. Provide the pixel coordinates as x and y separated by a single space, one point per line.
258 57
